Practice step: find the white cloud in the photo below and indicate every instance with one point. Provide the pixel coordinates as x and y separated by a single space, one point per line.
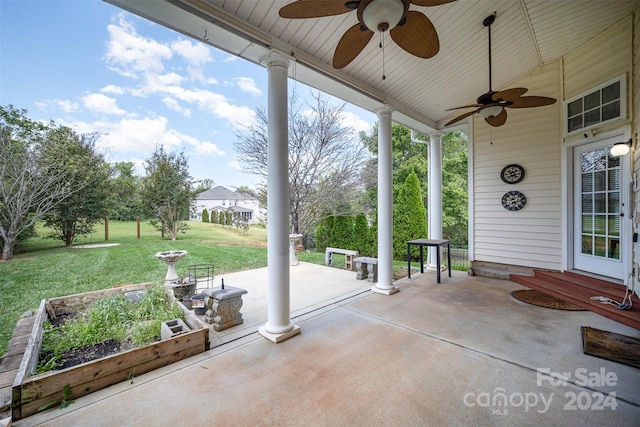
354 121
195 53
158 83
215 103
209 149
100 103
141 135
67 106
248 85
129 53
235 165
173 105
112 89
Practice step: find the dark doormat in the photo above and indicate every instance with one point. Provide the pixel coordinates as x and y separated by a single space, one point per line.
611 346
531 296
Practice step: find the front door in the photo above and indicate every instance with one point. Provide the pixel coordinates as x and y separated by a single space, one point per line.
600 195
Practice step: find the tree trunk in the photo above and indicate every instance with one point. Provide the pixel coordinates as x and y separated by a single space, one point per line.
7 249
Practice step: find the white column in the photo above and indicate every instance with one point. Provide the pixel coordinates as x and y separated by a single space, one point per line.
385 205
435 194
279 325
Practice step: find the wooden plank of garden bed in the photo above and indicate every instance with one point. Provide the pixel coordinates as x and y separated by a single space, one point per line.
92 376
29 360
73 302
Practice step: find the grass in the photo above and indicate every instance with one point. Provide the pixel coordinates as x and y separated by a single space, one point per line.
45 269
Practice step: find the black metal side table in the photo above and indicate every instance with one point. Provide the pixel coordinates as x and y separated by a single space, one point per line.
421 243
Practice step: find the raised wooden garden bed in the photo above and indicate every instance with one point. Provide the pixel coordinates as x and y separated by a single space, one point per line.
30 392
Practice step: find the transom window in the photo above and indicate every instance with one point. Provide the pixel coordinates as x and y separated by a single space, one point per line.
603 104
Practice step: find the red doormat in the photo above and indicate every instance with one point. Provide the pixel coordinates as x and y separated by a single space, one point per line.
611 346
531 296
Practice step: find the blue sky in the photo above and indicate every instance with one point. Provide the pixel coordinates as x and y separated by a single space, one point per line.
93 67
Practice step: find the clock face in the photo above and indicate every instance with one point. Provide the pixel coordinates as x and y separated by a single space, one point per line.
512 174
513 200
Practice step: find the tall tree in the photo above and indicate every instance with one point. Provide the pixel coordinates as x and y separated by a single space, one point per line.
410 156
455 189
166 191
125 203
325 160
77 214
409 216
342 233
360 234
31 185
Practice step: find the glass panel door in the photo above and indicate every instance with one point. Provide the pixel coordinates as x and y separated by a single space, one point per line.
599 212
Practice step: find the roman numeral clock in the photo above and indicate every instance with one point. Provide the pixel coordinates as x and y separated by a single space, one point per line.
513 200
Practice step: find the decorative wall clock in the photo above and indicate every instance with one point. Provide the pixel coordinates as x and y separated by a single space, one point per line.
512 174
513 200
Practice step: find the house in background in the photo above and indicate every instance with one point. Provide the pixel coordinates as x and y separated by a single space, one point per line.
221 199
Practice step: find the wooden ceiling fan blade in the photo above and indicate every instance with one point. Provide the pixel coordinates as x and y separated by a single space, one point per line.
532 101
313 9
464 116
350 45
498 120
430 2
417 36
509 94
464 106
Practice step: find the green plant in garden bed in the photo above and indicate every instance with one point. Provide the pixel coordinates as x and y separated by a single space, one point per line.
113 318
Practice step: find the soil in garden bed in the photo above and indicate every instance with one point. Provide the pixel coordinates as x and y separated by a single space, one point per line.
84 354
89 353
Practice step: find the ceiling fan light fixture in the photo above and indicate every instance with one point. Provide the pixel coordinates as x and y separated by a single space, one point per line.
383 15
489 112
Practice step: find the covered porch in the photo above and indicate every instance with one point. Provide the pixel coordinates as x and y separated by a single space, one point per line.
462 352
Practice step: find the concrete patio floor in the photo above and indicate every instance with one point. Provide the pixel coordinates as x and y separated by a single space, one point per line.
462 352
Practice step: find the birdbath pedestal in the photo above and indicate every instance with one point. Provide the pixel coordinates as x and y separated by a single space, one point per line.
171 258
293 253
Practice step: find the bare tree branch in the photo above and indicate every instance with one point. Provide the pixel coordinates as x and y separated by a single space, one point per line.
325 159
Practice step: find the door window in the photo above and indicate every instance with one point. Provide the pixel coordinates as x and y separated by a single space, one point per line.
601 204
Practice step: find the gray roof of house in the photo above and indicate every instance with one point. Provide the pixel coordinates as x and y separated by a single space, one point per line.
221 193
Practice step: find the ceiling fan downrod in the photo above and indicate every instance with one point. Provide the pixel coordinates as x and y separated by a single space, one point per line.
487 23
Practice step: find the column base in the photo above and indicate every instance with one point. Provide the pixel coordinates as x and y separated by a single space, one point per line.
385 291
277 338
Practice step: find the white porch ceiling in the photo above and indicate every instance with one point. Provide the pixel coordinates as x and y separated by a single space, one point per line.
526 35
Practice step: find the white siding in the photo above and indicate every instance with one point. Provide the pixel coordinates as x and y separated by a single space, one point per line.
635 116
531 237
599 60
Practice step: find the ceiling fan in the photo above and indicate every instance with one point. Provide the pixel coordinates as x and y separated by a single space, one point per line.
410 29
492 105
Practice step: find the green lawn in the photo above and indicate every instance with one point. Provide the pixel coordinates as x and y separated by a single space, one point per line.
45 269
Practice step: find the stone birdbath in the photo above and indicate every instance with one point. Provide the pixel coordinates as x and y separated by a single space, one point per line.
171 258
